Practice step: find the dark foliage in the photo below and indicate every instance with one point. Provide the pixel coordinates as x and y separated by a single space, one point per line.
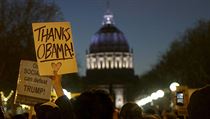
16 17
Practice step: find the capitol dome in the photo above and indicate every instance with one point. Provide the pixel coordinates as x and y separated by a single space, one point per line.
108 39
109 49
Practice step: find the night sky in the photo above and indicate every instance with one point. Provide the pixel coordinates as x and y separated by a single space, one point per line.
149 25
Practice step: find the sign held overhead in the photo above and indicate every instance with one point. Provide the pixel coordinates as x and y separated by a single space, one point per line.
54 48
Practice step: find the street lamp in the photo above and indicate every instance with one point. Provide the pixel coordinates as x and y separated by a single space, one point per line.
160 93
173 86
154 96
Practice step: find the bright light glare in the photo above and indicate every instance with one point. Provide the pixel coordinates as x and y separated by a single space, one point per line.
160 93
173 86
154 96
68 94
25 106
144 101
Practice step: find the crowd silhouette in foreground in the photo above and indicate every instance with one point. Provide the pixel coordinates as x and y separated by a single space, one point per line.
199 104
98 104
131 110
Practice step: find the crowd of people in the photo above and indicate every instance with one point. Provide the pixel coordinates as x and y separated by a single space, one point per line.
98 104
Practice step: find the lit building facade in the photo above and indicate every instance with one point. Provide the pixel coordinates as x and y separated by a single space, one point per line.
109 61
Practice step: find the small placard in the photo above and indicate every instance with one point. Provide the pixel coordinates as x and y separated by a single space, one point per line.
31 87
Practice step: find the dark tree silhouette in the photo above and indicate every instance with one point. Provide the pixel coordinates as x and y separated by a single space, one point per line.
16 17
187 60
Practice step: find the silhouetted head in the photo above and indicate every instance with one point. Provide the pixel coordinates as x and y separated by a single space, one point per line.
199 104
131 110
46 111
21 116
93 104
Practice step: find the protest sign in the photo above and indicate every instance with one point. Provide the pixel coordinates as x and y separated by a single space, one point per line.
54 48
31 88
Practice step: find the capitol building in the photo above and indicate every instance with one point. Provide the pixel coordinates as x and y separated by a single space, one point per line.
109 62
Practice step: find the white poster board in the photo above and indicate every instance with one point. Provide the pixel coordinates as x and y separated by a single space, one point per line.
31 87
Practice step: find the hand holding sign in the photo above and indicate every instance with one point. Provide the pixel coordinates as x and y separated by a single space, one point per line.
57 84
56 67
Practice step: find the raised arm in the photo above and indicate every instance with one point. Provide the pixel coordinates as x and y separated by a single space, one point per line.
57 84
62 101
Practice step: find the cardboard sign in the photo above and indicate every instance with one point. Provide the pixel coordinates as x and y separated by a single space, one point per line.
31 88
54 48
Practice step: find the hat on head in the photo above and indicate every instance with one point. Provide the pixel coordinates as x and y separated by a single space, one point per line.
47 110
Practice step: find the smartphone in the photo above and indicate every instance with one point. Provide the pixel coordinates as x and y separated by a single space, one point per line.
180 98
